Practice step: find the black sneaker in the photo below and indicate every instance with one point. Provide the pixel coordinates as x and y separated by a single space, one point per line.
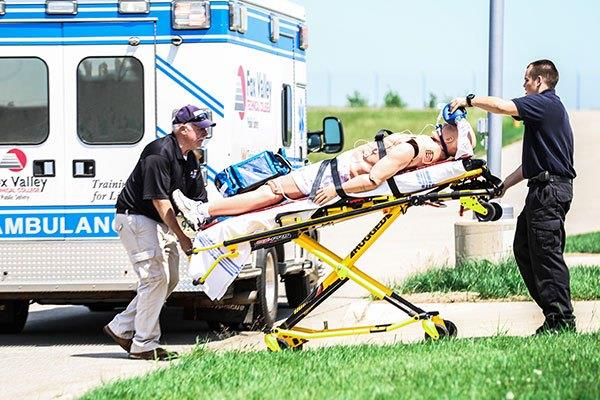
553 326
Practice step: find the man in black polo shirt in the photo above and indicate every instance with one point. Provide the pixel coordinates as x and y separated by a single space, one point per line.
149 231
547 163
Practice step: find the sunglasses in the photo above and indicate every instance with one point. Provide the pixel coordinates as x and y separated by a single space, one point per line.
198 118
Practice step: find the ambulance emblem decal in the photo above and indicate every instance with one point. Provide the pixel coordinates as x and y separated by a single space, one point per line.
14 159
240 92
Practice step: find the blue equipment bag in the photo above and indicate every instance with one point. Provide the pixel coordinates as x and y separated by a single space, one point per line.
251 173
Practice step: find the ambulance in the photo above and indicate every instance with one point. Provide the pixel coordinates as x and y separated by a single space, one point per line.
85 85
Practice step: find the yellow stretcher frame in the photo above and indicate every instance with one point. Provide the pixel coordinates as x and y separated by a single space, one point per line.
470 189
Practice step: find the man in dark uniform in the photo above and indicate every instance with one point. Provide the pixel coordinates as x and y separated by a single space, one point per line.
149 231
547 164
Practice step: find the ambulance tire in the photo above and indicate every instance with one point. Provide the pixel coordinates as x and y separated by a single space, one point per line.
14 321
265 308
297 288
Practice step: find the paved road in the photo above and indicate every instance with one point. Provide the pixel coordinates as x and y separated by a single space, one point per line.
62 353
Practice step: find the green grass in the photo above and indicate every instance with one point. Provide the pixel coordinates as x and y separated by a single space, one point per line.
495 280
548 367
584 243
363 123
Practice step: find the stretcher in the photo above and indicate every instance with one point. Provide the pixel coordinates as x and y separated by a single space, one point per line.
467 181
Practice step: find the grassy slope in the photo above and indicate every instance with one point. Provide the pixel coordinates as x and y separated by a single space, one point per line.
493 281
363 123
584 243
547 367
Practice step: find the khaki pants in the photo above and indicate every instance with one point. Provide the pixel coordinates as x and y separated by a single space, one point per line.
153 251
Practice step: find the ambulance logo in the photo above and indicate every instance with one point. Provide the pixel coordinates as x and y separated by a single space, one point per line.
14 159
240 92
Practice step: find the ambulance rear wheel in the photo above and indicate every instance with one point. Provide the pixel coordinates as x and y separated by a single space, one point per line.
13 315
297 288
267 289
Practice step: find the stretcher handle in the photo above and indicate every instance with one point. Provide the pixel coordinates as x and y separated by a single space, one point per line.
233 253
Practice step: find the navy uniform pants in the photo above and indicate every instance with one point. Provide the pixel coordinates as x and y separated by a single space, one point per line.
539 245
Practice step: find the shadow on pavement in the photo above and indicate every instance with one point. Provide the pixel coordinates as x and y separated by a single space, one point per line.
76 325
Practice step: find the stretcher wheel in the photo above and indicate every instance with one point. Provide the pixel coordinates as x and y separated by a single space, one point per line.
491 213
286 346
281 344
447 331
497 211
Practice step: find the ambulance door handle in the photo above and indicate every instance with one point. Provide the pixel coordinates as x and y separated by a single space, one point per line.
84 168
44 168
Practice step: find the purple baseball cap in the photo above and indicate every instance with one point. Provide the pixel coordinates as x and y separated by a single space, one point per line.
194 115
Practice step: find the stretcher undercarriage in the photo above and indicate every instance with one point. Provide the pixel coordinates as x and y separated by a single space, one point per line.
474 188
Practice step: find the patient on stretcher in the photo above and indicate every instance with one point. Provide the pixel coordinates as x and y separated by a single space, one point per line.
361 169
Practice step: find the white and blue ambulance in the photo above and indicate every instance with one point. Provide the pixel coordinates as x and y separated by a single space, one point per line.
84 86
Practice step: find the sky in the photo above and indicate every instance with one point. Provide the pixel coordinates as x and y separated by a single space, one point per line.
441 47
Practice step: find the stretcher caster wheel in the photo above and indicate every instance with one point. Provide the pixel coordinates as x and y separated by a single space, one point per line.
491 213
497 211
448 330
275 344
286 346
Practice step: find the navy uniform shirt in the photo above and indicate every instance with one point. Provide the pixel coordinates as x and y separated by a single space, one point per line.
160 170
548 138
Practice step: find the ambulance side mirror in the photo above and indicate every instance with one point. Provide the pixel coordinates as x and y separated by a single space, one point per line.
329 140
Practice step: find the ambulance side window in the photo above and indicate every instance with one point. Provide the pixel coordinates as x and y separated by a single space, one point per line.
110 100
286 115
24 116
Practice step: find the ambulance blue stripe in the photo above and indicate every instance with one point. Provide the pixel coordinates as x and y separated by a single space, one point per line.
165 64
61 207
192 92
160 133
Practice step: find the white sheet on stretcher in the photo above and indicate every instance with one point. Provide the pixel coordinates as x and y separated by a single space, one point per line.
228 269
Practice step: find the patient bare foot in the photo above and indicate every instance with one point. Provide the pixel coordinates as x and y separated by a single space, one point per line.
194 212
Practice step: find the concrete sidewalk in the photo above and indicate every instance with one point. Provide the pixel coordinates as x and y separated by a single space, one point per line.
472 320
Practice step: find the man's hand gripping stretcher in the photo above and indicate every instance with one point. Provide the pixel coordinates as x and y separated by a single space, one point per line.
371 172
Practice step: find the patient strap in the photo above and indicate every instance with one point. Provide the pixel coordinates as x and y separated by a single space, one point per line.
335 175
317 181
382 152
336 178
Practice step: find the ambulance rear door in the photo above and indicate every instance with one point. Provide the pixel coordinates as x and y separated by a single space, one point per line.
111 116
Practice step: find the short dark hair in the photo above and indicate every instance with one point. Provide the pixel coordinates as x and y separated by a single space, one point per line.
547 70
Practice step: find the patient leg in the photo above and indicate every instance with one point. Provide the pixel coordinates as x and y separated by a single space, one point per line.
245 202
267 195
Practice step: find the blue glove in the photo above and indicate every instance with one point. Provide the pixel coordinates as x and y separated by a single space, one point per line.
453 118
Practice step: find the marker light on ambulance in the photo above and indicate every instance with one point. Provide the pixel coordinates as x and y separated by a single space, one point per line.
61 7
191 14
303 37
2 7
274 28
238 18
134 7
